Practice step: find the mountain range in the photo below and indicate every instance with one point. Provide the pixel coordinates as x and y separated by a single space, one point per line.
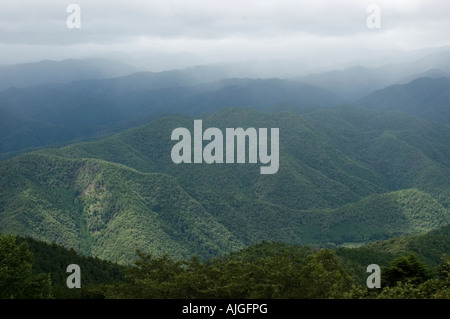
51 103
355 82
426 98
348 175
364 156
40 116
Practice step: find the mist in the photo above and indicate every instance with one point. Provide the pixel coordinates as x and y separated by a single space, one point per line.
291 37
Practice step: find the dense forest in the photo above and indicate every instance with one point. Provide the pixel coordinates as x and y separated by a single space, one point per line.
347 176
253 150
358 184
411 267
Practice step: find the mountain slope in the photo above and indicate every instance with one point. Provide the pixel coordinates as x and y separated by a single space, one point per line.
49 114
424 97
105 210
346 175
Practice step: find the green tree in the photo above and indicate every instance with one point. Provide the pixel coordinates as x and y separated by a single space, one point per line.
323 276
406 268
319 275
149 278
444 271
16 277
444 274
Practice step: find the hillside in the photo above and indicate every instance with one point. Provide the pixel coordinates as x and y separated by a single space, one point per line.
431 247
44 115
106 210
274 263
346 176
424 97
48 103
54 259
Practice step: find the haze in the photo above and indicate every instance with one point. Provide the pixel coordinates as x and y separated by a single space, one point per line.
312 34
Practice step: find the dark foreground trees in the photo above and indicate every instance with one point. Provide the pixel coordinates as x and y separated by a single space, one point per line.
263 271
16 277
286 275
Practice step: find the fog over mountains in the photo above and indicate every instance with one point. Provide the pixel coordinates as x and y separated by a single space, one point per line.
364 155
54 102
275 149
59 72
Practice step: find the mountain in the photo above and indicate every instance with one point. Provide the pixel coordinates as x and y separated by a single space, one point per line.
347 176
431 247
266 259
351 83
259 94
431 73
427 98
60 72
113 223
50 102
53 259
44 115
356 82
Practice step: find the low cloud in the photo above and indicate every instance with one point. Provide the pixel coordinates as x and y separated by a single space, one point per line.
232 29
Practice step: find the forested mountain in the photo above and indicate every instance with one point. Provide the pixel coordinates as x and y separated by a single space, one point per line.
205 150
50 102
412 267
424 97
44 115
347 175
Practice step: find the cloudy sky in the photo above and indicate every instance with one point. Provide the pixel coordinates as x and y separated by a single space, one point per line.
33 30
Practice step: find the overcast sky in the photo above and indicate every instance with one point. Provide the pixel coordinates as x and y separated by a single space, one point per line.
220 30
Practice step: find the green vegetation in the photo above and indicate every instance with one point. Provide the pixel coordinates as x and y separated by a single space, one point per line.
42 116
347 177
32 269
356 186
423 97
285 275
264 271
273 270
432 248
54 259
16 278
403 269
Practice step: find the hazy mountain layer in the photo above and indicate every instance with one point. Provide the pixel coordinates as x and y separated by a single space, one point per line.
424 97
40 116
356 82
59 72
40 107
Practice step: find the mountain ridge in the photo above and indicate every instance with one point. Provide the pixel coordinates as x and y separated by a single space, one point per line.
426 98
342 179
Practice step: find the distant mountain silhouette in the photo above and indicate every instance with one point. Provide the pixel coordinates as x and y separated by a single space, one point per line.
424 97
